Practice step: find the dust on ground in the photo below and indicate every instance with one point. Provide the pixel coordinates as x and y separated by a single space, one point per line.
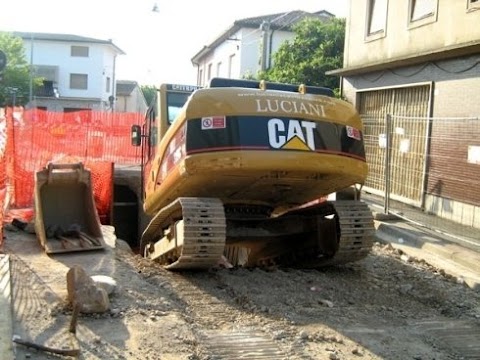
387 306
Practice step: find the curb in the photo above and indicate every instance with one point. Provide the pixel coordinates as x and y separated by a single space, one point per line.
6 330
454 259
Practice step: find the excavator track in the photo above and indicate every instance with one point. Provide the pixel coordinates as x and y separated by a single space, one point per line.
356 229
187 234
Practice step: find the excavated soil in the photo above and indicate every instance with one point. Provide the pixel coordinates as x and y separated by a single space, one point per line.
387 306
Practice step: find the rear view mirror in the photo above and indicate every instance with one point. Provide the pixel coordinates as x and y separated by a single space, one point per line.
136 134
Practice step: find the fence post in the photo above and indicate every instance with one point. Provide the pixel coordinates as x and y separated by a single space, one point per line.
426 162
388 125
10 155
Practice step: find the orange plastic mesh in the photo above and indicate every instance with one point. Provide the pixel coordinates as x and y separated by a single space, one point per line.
3 169
98 139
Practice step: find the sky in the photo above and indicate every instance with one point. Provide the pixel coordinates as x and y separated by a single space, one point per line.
159 45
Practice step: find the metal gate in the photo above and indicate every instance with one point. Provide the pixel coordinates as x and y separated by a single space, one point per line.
399 144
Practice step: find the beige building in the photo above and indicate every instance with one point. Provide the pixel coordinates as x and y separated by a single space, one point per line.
130 97
392 43
419 60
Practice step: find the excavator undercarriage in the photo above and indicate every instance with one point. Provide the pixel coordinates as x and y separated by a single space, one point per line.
194 233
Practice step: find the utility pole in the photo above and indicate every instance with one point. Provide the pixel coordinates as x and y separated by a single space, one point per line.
265 27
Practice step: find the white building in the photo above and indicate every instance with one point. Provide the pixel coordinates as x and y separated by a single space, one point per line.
248 45
78 72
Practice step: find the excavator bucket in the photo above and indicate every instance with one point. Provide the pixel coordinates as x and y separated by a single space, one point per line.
66 219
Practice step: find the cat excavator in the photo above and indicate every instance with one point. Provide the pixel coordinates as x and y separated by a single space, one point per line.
241 172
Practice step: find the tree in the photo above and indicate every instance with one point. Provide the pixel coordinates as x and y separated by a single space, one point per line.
316 48
149 92
16 75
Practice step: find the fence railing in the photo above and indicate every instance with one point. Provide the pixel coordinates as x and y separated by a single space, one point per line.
30 139
426 169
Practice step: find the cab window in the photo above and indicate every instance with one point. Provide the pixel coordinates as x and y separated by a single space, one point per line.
175 102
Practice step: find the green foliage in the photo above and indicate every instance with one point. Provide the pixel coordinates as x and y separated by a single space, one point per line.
16 75
316 48
149 92
249 76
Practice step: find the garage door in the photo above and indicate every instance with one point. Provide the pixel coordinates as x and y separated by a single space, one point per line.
409 110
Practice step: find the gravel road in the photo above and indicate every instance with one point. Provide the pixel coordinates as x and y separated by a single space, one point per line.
387 306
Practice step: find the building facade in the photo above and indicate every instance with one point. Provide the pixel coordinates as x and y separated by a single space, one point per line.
248 45
78 72
419 61
130 97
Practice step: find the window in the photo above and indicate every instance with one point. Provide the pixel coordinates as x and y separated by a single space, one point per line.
175 102
219 68
422 12
200 77
79 81
377 19
231 66
209 72
473 4
47 72
420 9
107 87
79 51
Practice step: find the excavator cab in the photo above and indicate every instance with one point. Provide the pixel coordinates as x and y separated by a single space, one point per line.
166 106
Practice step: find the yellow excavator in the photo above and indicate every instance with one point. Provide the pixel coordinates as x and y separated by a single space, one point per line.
240 171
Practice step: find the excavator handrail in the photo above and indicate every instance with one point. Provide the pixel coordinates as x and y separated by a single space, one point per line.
217 82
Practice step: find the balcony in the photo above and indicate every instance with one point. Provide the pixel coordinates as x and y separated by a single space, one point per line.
47 90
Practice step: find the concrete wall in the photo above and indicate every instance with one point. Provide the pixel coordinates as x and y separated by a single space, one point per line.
456 83
58 105
250 51
135 102
210 59
452 24
465 214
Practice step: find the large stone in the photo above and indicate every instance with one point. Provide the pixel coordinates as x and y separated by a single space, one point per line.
105 282
82 290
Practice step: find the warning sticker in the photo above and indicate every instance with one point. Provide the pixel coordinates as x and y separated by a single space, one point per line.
213 122
354 133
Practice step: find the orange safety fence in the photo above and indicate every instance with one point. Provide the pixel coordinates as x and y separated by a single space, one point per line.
30 139
3 169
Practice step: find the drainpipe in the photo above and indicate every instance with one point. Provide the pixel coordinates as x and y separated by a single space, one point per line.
270 48
114 84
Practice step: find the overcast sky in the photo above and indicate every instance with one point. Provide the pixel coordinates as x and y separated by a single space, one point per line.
158 45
